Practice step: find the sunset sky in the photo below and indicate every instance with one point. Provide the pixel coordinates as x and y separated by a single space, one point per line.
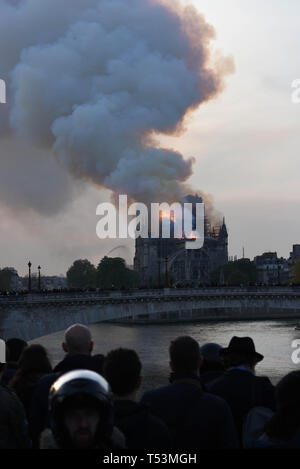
245 142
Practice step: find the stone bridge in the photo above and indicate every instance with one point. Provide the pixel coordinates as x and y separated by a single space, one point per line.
35 315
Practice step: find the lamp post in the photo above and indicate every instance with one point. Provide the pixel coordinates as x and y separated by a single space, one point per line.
39 279
167 280
29 276
158 273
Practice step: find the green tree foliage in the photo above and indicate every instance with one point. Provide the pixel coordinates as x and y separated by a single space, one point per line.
5 279
296 271
112 272
242 271
82 274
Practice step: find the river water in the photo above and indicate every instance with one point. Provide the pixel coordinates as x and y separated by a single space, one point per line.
272 338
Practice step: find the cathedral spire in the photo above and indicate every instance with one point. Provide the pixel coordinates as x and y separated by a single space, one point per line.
223 230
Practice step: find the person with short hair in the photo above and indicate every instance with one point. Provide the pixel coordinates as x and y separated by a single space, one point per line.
122 369
78 346
78 340
195 418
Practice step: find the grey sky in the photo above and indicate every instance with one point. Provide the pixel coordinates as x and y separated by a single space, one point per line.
245 144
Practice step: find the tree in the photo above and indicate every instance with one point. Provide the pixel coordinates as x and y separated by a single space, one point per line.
112 272
296 271
82 274
237 272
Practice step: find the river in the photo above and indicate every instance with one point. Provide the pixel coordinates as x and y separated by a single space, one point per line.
272 338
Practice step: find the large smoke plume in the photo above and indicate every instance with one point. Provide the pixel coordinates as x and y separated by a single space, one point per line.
94 82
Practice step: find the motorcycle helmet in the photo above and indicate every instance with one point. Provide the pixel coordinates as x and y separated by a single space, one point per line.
77 389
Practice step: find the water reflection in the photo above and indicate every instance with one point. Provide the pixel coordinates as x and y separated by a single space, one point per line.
272 338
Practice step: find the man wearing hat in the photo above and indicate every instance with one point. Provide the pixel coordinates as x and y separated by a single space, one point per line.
239 386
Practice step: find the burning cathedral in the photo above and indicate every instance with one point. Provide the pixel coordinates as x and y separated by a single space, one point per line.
160 261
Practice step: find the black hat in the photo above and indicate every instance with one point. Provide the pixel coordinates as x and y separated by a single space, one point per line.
244 346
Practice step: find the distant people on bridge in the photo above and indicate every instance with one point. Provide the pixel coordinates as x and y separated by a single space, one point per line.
14 349
239 386
81 414
195 418
32 366
142 430
212 366
78 346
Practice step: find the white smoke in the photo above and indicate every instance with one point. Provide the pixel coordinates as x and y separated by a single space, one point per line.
95 80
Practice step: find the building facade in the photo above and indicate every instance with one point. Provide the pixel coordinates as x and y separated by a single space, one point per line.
161 261
272 270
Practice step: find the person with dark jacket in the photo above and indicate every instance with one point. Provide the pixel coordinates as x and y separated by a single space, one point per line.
33 364
13 423
282 429
212 366
78 346
142 430
81 414
239 386
196 419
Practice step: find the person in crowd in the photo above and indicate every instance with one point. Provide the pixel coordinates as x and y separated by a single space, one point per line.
14 349
33 364
122 369
78 346
212 366
195 418
282 430
81 414
239 386
13 422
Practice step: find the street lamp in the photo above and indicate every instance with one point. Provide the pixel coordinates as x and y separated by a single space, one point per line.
39 280
29 276
167 280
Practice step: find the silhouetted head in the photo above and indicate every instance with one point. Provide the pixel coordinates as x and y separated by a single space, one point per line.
211 357
122 369
15 348
185 355
34 358
286 420
78 340
81 410
241 351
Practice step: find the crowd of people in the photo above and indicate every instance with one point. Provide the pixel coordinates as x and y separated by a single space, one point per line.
212 399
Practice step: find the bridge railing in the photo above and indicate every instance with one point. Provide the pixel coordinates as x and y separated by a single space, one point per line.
98 295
